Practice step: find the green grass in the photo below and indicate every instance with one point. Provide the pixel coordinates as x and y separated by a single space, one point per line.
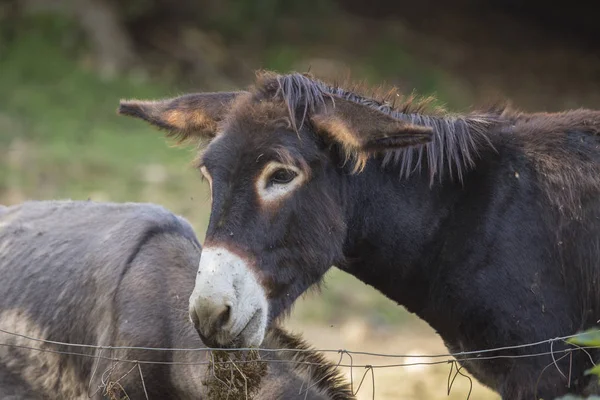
60 137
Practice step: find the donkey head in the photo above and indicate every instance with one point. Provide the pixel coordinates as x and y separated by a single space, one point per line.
275 159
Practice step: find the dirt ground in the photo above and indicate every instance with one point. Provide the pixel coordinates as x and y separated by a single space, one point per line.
419 382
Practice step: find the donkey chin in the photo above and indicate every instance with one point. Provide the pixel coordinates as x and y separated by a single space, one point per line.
228 306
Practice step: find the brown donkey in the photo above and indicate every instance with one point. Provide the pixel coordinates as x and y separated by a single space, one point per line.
120 275
485 224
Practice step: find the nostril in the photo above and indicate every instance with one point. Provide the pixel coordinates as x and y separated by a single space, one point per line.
225 316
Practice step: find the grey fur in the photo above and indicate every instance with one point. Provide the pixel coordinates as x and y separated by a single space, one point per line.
109 274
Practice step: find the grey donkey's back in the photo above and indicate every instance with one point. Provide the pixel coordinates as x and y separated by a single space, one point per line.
114 275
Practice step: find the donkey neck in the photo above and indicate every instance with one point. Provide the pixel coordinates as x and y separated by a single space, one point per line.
394 231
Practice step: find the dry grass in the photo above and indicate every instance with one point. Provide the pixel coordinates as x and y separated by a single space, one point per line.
228 379
115 391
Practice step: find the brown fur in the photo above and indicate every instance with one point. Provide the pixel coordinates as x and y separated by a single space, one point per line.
363 131
567 177
188 120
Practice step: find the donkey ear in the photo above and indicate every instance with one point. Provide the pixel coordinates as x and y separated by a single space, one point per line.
362 130
185 117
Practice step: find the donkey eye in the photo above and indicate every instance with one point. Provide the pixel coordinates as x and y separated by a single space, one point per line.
282 176
277 181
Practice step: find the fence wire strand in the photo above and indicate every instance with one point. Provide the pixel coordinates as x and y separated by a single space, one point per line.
422 363
364 353
450 358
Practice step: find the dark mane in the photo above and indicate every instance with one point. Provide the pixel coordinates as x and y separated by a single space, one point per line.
311 364
457 141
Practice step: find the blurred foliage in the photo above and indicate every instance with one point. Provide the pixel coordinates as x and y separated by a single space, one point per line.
239 18
588 338
60 134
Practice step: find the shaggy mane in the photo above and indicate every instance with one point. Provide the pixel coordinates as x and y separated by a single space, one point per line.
457 139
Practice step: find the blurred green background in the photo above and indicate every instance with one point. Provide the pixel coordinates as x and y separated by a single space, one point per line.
64 65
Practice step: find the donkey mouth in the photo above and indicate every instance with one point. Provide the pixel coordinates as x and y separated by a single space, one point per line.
211 342
236 341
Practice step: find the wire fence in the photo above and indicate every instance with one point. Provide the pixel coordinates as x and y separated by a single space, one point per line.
451 359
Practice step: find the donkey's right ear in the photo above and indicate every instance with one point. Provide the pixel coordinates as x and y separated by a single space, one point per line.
190 116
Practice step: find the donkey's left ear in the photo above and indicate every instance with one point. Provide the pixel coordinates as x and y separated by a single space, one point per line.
190 116
362 130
